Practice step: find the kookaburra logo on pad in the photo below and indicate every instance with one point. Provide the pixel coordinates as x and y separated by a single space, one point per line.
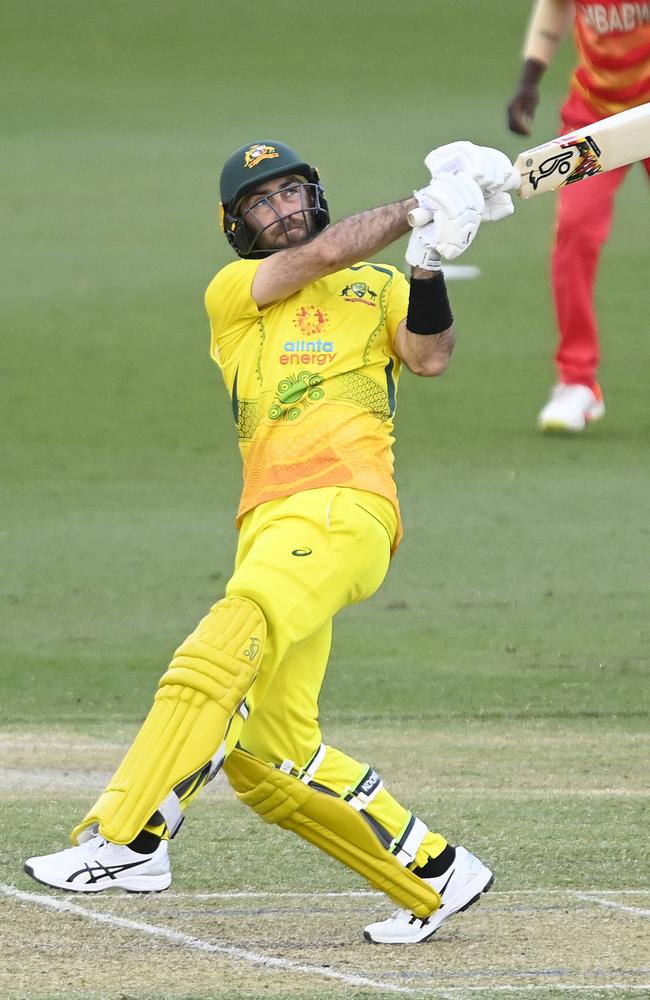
253 648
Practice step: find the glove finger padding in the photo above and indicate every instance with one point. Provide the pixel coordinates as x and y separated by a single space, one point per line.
498 206
452 194
453 157
457 204
490 168
494 171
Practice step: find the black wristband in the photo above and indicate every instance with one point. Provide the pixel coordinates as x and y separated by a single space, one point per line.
429 312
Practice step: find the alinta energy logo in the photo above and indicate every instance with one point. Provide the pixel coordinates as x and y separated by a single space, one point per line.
359 292
311 322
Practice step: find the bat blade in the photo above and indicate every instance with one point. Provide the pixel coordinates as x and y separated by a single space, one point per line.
604 145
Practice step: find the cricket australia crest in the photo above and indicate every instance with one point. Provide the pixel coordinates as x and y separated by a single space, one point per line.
358 291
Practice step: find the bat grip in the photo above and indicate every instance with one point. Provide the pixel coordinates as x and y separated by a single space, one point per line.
419 217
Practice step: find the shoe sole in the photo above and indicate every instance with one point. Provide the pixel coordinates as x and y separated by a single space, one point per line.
461 909
141 884
557 427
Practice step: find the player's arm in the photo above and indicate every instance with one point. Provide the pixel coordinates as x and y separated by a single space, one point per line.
549 23
425 339
454 203
346 242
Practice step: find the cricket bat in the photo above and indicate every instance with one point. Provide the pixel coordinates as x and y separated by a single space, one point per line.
612 142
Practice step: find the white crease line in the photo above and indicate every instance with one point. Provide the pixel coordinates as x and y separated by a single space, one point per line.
612 892
361 893
593 990
542 792
638 911
252 894
177 937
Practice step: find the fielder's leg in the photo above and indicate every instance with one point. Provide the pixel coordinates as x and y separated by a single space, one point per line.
583 223
584 218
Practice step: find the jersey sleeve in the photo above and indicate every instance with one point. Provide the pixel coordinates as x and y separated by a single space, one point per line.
397 305
231 308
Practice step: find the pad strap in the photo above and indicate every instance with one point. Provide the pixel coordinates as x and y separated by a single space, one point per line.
365 791
309 770
405 847
170 810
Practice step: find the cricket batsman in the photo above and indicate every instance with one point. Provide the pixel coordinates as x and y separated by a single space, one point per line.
612 74
310 337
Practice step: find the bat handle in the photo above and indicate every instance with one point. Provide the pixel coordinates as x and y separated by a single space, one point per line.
419 217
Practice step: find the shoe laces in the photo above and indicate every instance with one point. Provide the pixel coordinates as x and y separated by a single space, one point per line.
405 916
91 846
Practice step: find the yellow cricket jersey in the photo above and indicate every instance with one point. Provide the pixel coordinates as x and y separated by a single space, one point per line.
312 379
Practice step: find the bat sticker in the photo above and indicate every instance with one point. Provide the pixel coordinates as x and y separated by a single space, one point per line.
579 159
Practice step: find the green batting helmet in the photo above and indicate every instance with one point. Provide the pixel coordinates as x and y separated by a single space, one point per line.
252 165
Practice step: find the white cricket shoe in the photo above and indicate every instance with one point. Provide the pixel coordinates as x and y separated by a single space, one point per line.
459 887
97 865
571 408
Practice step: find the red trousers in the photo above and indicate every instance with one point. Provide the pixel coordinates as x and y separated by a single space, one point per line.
584 219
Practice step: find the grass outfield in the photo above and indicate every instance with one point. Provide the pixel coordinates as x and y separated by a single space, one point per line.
498 679
558 810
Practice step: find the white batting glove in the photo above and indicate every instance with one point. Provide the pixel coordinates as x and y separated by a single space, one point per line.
454 204
490 168
498 206
420 250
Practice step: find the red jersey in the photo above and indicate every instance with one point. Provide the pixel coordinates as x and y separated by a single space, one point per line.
613 42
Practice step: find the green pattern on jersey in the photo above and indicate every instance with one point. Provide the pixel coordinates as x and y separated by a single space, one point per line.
363 390
248 418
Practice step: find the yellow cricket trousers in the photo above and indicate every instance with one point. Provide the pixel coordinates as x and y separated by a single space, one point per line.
302 559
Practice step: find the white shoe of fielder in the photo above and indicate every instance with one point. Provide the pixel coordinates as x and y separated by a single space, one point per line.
97 865
571 408
459 887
